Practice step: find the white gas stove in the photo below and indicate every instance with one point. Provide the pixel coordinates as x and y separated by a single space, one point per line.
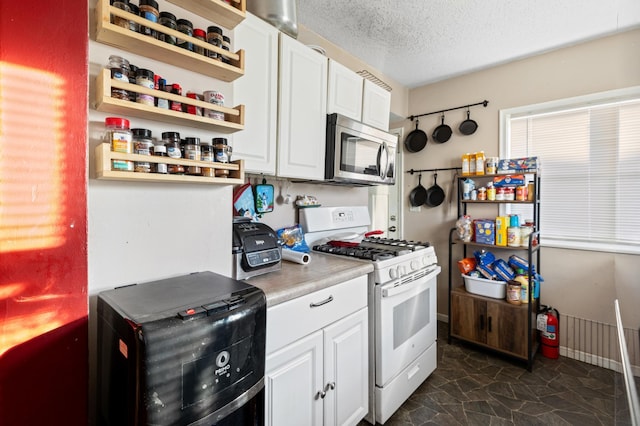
402 301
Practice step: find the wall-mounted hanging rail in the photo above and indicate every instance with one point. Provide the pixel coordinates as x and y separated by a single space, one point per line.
483 103
433 170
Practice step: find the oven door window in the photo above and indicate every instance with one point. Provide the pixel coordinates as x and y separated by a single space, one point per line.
405 324
365 157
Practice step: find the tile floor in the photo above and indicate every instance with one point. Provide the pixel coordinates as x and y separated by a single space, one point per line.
474 387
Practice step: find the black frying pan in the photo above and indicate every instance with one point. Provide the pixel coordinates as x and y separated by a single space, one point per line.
418 195
468 126
435 194
442 133
416 140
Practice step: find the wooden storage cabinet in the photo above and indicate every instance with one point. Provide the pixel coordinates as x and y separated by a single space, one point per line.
317 358
489 322
495 323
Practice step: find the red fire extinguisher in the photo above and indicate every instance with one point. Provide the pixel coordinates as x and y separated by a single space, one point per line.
549 326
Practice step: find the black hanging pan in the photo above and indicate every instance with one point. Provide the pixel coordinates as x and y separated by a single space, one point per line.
468 126
416 140
442 133
435 194
418 195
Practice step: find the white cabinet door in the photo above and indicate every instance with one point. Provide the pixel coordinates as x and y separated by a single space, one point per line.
303 109
346 370
376 106
345 91
293 378
258 91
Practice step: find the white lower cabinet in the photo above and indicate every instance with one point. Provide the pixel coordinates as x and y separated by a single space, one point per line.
320 378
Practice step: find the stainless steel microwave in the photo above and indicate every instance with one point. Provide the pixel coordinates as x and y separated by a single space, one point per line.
358 153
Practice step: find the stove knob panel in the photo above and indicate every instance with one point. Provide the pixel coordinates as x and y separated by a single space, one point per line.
393 274
402 270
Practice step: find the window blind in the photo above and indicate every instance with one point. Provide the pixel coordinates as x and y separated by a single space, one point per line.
590 172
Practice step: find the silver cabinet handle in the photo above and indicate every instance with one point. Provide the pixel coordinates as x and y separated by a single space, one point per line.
330 386
321 395
324 302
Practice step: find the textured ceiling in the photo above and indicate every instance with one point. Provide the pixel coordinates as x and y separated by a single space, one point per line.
417 42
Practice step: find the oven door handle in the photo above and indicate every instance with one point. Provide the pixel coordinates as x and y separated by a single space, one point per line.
395 290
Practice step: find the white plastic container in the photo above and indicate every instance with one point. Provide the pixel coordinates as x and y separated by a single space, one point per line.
484 287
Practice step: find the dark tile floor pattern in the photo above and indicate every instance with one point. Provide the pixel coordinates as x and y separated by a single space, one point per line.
474 387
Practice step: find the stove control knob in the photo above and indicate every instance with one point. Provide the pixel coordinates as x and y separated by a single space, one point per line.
414 265
393 274
402 270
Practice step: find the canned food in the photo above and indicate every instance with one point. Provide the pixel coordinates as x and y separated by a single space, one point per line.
521 193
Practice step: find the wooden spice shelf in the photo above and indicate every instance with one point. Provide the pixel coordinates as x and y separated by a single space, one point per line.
147 46
226 14
233 122
104 155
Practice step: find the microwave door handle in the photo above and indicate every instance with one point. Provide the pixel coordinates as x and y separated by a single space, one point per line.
382 171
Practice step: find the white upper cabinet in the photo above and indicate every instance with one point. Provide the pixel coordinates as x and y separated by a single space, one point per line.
303 110
345 91
376 106
258 91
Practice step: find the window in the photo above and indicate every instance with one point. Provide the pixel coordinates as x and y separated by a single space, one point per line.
589 149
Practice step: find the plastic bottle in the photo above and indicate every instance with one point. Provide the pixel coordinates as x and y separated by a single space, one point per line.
524 285
466 171
120 138
480 163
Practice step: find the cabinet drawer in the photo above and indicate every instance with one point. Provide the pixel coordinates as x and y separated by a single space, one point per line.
297 318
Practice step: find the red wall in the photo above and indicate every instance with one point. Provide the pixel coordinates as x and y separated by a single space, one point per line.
43 225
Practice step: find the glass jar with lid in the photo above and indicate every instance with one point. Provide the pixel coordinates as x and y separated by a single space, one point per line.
191 149
172 142
143 145
120 138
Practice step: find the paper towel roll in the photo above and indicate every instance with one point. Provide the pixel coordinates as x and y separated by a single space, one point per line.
296 256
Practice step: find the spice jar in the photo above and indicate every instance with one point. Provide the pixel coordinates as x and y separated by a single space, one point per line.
185 27
200 34
214 37
226 45
121 22
143 145
133 25
216 98
168 20
119 68
172 143
149 10
514 291
176 90
160 151
192 109
120 138
133 71
207 154
144 78
162 102
191 149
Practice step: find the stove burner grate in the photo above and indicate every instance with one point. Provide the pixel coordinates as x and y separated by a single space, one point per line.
359 252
